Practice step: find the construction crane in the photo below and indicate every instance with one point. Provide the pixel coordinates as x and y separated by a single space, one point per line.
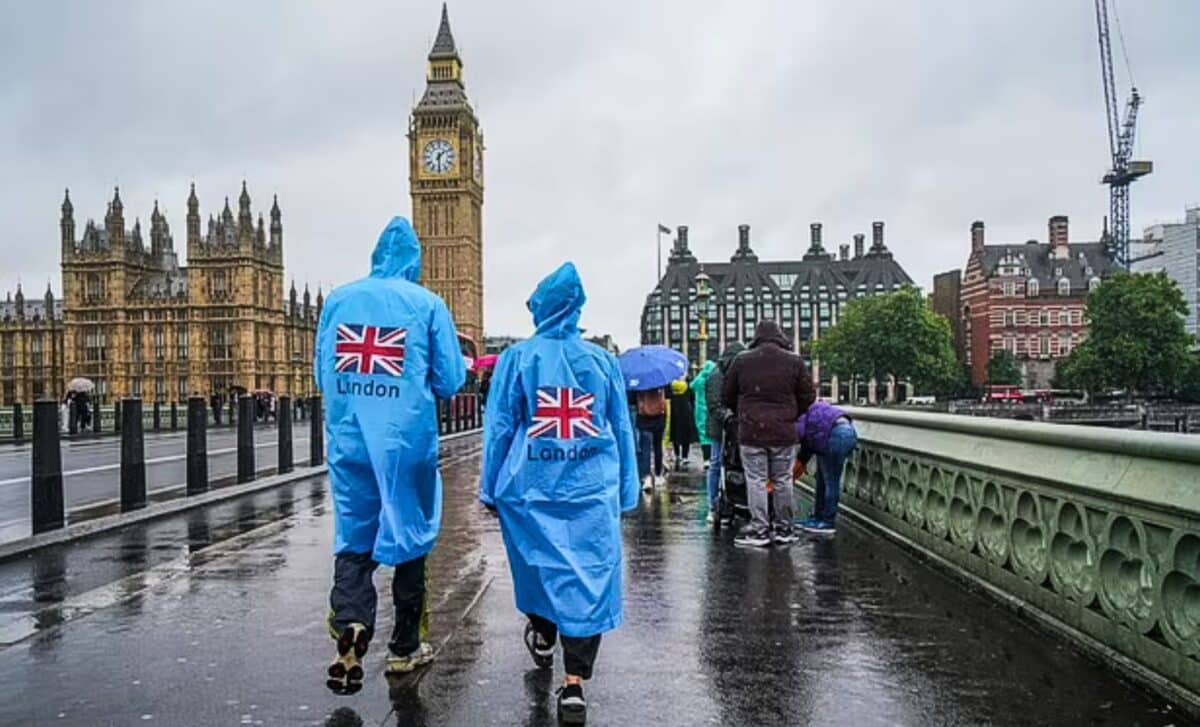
1120 144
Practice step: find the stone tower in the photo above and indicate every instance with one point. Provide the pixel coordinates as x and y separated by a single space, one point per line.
446 181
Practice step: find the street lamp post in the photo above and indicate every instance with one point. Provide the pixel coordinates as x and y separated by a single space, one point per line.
703 291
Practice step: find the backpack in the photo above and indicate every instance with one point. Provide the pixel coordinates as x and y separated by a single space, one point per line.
652 403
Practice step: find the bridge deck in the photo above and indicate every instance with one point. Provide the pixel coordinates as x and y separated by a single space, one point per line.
141 627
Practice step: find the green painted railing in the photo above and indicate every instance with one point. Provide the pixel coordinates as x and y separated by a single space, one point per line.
1095 532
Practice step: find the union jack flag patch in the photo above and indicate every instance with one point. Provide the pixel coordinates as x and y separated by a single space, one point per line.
563 413
363 349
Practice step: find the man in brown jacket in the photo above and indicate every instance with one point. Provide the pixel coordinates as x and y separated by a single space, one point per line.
768 388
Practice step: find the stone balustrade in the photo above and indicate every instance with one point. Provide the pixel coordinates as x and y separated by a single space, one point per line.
1095 532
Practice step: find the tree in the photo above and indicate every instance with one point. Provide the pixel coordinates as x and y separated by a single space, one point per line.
1003 369
895 335
1136 338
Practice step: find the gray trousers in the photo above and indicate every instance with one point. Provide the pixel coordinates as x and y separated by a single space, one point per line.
774 464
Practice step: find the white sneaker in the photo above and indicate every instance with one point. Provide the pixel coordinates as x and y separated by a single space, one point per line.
712 518
648 483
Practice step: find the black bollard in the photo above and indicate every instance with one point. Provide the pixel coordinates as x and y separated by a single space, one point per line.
72 417
117 416
284 434
197 446
133 456
245 439
46 493
174 416
18 422
316 436
157 416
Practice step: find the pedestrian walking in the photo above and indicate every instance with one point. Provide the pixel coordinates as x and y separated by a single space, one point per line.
558 469
386 351
651 428
828 432
700 397
769 388
718 415
683 423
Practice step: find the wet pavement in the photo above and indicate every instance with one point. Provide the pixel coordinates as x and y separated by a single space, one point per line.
92 470
216 618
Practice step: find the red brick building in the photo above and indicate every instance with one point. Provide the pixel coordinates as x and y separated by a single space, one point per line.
1028 299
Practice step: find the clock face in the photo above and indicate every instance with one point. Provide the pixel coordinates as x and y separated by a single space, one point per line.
439 156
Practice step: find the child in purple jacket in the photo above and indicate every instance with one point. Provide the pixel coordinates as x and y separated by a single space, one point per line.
826 431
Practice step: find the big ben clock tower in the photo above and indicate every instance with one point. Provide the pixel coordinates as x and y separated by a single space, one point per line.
446 181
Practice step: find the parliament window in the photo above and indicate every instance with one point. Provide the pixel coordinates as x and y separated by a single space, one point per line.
181 344
137 344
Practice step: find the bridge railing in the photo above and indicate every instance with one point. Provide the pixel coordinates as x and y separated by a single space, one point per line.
1096 532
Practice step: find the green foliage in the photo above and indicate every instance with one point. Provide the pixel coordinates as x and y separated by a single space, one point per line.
892 335
1136 339
1003 369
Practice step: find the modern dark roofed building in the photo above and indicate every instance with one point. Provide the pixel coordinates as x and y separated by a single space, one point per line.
804 296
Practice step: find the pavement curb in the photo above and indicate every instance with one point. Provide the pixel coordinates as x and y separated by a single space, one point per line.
88 528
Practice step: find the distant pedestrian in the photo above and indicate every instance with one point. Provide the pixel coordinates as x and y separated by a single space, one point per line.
718 415
683 423
651 427
769 388
558 469
387 489
700 397
827 432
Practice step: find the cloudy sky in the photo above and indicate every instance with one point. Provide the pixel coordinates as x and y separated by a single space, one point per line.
601 119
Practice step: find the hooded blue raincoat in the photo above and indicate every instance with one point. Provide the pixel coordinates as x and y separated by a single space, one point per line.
559 465
385 348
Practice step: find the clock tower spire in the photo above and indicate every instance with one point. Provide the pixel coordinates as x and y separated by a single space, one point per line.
446 183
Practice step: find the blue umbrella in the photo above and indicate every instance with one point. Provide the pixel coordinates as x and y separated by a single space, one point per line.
652 367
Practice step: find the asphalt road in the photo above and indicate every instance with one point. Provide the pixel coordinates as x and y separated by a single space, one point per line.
217 618
92 467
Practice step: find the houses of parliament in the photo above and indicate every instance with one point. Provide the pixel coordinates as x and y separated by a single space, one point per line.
137 322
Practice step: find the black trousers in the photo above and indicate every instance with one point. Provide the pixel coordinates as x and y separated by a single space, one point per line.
682 449
707 450
353 598
579 655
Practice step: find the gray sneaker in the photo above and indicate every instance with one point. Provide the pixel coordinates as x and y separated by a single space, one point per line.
420 656
753 538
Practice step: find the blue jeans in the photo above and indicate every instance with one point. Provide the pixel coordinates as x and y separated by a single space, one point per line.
842 441
714 474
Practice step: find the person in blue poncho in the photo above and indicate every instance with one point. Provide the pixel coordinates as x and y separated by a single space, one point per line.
386 347
559 467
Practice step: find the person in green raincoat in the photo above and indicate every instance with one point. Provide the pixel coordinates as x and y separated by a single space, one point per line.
701 410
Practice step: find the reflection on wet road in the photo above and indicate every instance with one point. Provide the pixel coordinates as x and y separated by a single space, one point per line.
218 619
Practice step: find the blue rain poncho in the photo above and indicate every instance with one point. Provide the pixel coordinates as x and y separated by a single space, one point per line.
385 348
559 465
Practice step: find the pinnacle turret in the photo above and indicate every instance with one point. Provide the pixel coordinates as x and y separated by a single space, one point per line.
443 45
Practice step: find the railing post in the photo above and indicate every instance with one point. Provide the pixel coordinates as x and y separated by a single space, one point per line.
245 439
197 445
283 410
72 417
46 493
133 456
316 437
157 416
174 416
19 422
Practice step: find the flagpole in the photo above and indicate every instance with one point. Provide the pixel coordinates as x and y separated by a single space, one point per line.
659 258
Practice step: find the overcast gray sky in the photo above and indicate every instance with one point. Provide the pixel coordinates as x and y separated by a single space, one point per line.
601 120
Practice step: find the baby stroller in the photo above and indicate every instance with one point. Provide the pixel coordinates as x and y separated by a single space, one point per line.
731 501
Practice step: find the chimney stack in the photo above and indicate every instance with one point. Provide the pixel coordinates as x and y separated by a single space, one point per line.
815 235
1059 248
681 238
844 252
858 244
977 236
743 237
877 235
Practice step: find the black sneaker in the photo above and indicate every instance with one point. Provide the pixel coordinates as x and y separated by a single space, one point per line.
785 536
753 538
542 653
572 707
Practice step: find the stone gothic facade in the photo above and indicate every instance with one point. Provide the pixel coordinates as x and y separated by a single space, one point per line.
137 323
446 183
